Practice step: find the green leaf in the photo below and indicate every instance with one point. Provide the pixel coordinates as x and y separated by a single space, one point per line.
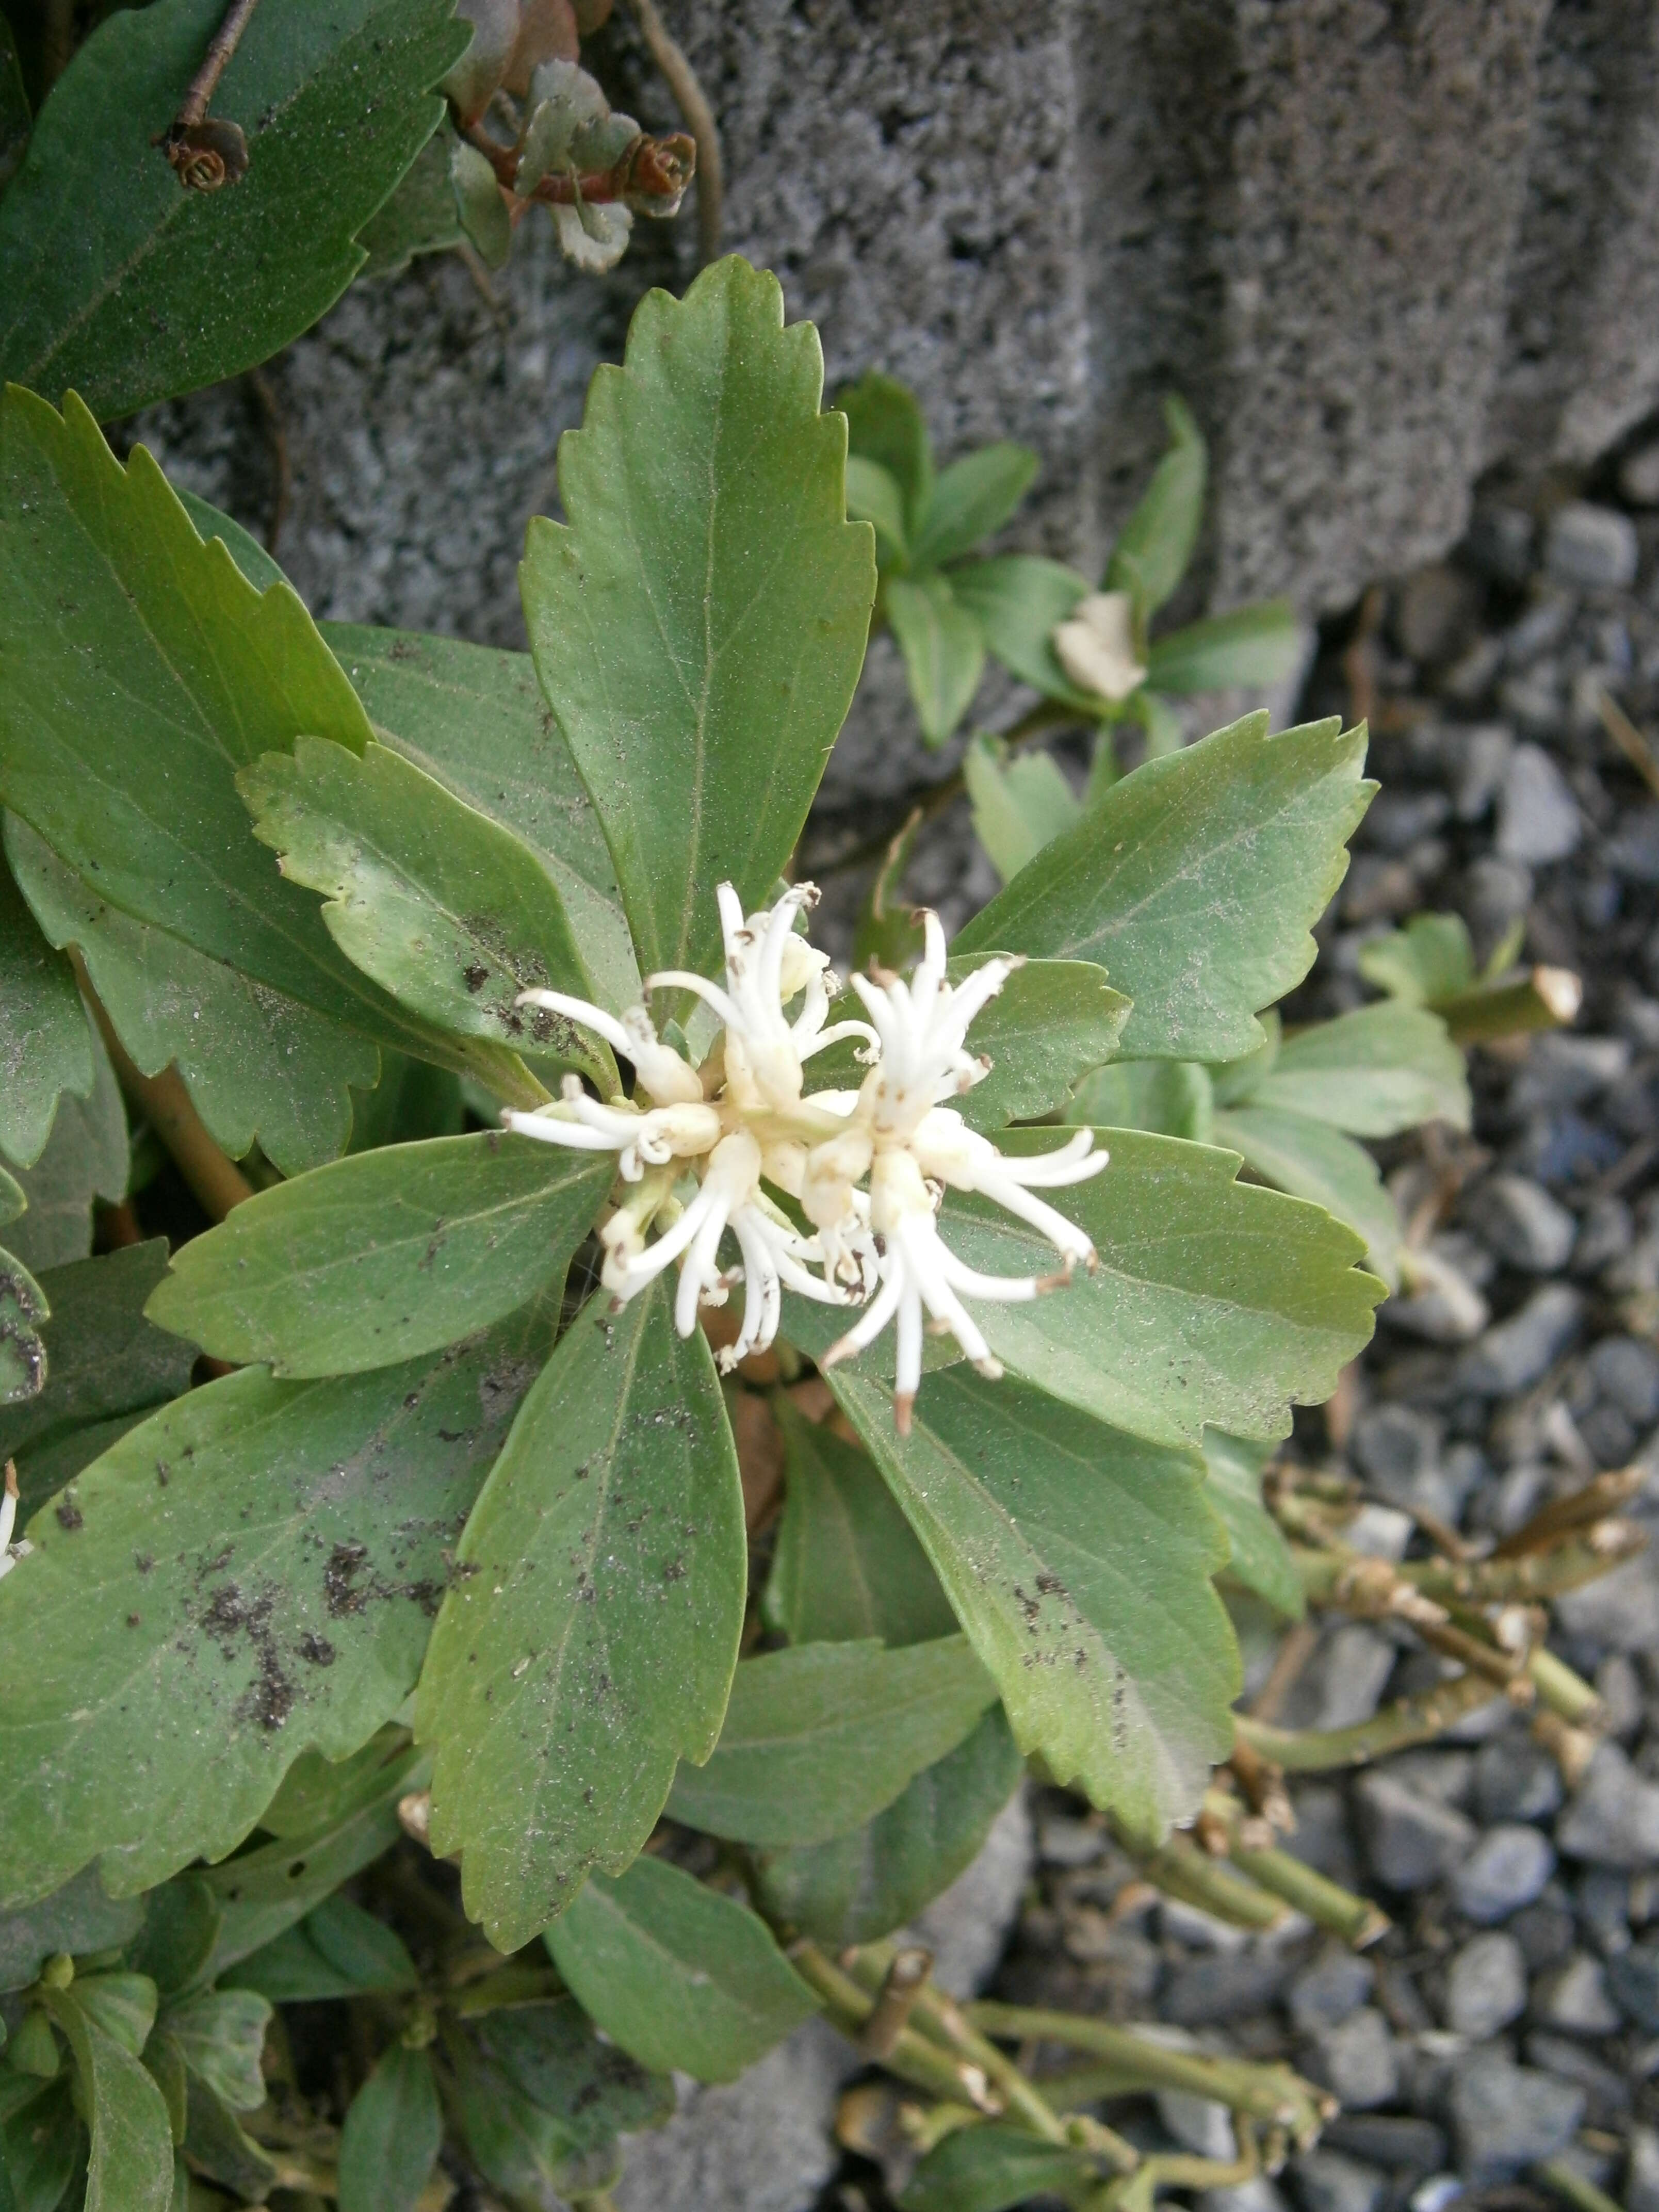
264 1891
1195 883
107 594
683 1978
78 1919
15 121
105 1358
864 1884
217 2149
1311 1160
550 2055
989 2168
221 2035
44 1048
260 568
85 1158
182 1921
1077 1558
1261 1559
886 425
1372 1072
1430 959
845 1564
385 1254
122 2005
337 1951
318 1793
1171 1098
475 718
258 1064
944 653
818 1738
1261 644
42 2142
1017 600
444 908
131 289
420 216
393 2135
528 2155
1214 1301
1019 804
699 623
1157 542
1165 731
252 1571
971 500
1051 1020
22 1348
589 1636
873 495
131 2166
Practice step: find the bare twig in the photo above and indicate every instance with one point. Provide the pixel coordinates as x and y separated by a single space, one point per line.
906 1971
270 422
693 104
1405 1721
206 153
648 169
913 2057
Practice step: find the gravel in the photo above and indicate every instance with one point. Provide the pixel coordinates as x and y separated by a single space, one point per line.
1506 1869
1514 2000
1409 1839
1485 1986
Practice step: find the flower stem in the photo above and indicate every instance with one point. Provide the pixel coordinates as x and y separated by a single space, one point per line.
1355 1919
913 2057
1271 2094
1407 1721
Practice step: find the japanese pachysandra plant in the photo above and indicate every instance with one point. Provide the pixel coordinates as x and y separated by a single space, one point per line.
454 1516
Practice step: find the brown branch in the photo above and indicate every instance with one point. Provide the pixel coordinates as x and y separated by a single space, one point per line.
648 169
693 104
206 153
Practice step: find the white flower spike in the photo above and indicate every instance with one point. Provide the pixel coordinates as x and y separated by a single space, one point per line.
695 1148
9 1553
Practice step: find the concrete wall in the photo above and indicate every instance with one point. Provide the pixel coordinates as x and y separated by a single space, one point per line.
1379 245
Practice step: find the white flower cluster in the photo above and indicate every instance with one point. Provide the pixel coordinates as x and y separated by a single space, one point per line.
867 1168
10 1552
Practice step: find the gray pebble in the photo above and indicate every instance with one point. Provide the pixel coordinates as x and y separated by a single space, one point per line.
1613 1820
1575 1996
1563 1070
1327 2181
1485 1986
1500 541
1606 2094
1590 548
1494 893
1396 820
1519 1220
1545 1932
1346 1679
1619 1612
1538 816
1633 1979
1198 2124
1603 1902
1225 1985
1506 1869
1408 1839
1506 2116
1329 1990
1402 2145
1638 480
1515 1779
1483 754
1258 2195
1632 851
1395 1447
1627 1371
1357 2060
1606 1233
1641 2177
1514 1354
1610 1437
